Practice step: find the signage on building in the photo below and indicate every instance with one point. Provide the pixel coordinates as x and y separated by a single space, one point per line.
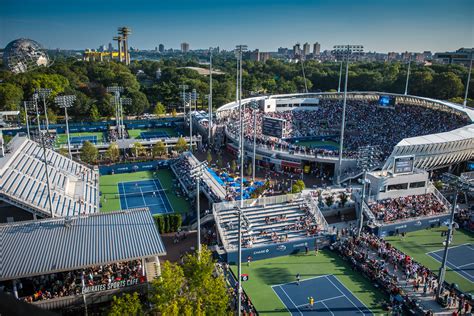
110 286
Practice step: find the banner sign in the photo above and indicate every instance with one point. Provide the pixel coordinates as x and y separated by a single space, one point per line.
409 226
110 286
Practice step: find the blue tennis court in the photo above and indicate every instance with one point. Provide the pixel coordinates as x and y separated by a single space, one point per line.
79 140
331 297
144 193
460 259
153 134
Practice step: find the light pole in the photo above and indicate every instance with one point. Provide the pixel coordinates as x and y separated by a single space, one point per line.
408 76
340 77
368 158
240 50
43 94
123 101
192 101
196 173
27 119
468 81
241 215
343 122
459 184
304 76
209 137
116 90
65 102
45 140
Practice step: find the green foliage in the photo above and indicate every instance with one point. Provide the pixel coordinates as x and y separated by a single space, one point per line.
233 166
343 197
94 113
159 149
173 113
126 305
169 223
181 145
64 151
438 184
329 200
298 186
52 117
138 149
11 96
209 157
249 171
89 152
191 288
159 109
113 152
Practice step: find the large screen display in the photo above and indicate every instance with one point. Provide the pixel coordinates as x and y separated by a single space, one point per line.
273 127
386 101
404 164
470 166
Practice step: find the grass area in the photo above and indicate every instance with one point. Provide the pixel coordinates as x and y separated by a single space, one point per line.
265 273
135 133
109 188
317 143
62 138
417 244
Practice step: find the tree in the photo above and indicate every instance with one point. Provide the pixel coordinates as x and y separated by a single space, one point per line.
343 197
89 152
446 85
173 113
159 109
52 117
249 170
10 96
181 145
126 305
63 151
159 149
113 152
190 289
329 200
94 113
298 186
138 149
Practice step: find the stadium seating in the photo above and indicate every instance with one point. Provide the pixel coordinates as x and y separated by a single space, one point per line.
74 187
271 223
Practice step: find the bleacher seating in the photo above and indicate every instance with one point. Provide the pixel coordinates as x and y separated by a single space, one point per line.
74 187
271 223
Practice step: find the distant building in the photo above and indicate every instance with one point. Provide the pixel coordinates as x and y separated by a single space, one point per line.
111 47
158 74
297 49
102 48
161 48
255 55
392 56
264 56
184 47
316 49
406 56
306 49
283 51
461 56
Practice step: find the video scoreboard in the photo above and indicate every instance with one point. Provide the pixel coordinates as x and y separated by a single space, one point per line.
273 127
404 164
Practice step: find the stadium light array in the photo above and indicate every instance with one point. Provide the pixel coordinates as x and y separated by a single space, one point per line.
116 90
43 94
197 173
65 102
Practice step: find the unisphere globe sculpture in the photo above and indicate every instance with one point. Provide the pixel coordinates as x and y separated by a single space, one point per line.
24 55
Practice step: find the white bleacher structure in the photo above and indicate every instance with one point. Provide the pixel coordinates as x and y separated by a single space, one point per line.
74 187
269 220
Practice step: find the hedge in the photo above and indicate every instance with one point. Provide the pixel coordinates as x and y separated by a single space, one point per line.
169 223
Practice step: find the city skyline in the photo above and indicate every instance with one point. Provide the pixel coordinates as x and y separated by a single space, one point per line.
263 24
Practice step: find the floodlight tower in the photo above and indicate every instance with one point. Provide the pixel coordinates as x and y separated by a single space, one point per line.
197 173
209 111
240 49
65 102
43 94
116 90
46 141
27 119
459 184
468 80
119 45
192 101
254 107
125 32
408 76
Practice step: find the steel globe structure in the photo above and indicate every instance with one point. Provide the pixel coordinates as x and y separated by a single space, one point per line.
24 55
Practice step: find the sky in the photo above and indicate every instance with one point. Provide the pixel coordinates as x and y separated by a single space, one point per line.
379 25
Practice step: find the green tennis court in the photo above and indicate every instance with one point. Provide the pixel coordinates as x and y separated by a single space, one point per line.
420 243
110 197
76 138
263 274
137 133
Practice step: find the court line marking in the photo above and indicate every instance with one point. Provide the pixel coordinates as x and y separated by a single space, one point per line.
125 199
452 247
327 308
324 300
291 301
286 307
143 198
460 272
162 190
347 296
316 277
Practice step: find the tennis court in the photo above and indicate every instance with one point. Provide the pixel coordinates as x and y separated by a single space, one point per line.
460 259
331 297
154 134
145 193
79 140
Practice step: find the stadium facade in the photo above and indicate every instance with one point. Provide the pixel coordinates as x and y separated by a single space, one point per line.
430 152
